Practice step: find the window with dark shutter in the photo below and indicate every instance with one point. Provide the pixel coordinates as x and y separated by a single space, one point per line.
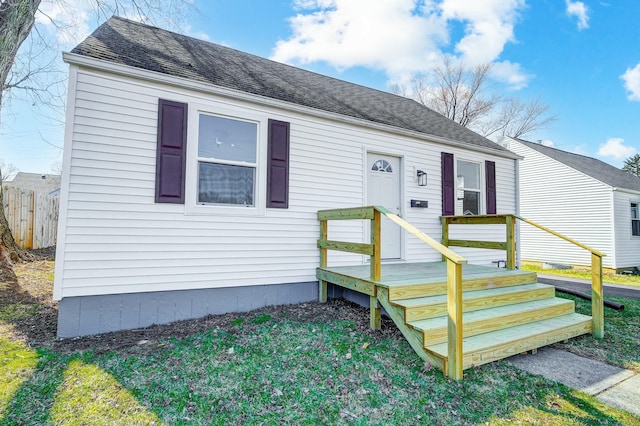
171 151
448 185
278 165
490 167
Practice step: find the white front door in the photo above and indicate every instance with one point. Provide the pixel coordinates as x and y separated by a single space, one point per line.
383 189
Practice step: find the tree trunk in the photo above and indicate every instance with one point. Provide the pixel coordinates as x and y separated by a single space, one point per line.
16 21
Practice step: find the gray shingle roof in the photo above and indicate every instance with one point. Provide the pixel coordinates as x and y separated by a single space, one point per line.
593 167
130 43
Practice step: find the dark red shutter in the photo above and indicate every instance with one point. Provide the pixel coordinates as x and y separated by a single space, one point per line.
278 165
490 167
171 153
448 185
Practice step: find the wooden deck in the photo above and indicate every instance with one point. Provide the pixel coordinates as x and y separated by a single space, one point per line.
505 312
453 314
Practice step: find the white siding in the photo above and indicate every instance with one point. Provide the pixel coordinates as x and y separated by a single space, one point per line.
117 240
627 246
566 201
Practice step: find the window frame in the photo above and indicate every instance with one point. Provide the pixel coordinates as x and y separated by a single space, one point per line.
192 206
481 190
636 219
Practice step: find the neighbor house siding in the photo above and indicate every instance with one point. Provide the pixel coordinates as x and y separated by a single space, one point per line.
566 201
627 245
118 240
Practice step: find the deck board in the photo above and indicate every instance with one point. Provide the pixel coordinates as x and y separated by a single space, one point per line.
403 274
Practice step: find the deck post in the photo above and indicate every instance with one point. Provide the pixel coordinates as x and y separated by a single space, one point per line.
445 234
374 314
322 285
511 242
454 328
374 306
375 242
597 307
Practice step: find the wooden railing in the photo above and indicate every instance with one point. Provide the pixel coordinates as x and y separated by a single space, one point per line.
373 249
597 301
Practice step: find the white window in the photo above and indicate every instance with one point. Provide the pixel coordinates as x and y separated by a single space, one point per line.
635 219
381 166
227 161
468 188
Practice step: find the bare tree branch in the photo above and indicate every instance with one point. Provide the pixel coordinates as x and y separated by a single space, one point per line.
463 95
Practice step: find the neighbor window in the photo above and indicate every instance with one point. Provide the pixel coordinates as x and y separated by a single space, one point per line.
468 188
635 219
227 161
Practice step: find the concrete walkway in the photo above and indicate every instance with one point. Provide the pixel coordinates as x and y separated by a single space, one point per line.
614 386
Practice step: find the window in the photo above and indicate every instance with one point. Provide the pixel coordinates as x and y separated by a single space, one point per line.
635 219
382 166
468 188
227 161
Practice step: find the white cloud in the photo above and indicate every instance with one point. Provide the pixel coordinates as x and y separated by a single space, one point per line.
614 147
488 26
632 82
390 35
68 21
548 143
188 30
401 37
511 73
580 11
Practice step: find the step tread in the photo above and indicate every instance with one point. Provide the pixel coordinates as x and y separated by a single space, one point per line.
469 295
490 313
408 281
500 337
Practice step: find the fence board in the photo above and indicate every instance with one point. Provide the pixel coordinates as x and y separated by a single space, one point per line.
32 217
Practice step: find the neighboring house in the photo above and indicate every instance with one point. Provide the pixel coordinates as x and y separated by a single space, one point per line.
38 182
193 174
581 197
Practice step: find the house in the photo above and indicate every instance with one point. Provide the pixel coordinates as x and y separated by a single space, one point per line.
193 174
39 182
581 197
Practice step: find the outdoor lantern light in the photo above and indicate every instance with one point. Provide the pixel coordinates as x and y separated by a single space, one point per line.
422 178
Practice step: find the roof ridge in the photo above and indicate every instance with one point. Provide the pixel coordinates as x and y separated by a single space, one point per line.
147 47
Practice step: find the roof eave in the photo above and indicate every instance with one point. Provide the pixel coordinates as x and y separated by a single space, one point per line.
628 191
157 77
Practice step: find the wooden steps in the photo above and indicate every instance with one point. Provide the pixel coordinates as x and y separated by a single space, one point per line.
496 345
503 315
477 322
434 306
505 312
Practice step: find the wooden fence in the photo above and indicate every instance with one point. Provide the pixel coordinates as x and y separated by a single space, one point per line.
32 217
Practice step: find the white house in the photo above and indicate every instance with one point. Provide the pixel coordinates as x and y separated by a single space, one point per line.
581 197
193 174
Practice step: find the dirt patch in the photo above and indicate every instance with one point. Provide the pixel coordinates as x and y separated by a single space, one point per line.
27 301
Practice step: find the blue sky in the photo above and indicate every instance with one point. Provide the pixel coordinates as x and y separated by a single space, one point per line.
580 57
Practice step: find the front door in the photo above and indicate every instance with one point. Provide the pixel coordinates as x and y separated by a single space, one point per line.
383 189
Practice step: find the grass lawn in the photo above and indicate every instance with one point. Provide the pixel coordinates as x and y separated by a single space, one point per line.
585 274
306 364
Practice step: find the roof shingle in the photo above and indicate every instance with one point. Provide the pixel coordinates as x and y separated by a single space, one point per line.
593 167
130 43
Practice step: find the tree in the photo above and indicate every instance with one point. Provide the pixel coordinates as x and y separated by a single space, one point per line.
632 165
7 171
17 24
463 94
